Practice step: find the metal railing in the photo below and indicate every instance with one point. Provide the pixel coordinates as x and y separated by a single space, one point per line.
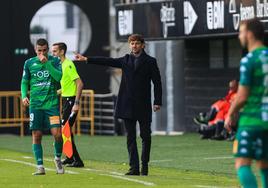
86 112
14 114
11 110
104 114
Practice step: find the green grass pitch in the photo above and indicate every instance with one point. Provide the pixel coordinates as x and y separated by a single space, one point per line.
176 161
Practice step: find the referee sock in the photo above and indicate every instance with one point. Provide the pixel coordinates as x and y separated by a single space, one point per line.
246 177
38 153
264 177
57 149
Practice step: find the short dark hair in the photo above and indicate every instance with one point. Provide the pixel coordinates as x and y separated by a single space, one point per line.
62 46
136 37
256 27
42 42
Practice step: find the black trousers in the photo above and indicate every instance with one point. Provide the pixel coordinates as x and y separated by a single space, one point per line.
67 105
145 134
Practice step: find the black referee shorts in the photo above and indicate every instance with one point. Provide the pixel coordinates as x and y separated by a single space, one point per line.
67 105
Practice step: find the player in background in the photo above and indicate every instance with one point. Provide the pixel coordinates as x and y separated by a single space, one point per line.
41 75
252 102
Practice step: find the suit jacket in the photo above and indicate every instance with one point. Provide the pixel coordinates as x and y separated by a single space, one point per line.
134 97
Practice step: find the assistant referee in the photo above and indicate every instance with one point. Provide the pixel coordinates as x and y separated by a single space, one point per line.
71 89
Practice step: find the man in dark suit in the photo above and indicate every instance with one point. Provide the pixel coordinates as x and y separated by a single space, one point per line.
134 98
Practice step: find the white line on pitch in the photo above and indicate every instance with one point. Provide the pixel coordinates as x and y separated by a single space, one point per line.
101 172
34 165
215 158
119 176
161 161
130 179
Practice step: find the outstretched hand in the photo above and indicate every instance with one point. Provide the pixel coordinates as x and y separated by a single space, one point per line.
79 57
156 108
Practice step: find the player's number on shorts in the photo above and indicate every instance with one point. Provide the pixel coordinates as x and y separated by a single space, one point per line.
31 116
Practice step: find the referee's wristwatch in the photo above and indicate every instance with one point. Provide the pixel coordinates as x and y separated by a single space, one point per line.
76 102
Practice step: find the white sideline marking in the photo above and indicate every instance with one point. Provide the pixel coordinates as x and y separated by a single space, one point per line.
113 174
104 171
161 161
119 176
26 157
34 165
215 158
130 179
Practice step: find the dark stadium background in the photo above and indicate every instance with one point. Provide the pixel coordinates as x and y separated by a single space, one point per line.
16 15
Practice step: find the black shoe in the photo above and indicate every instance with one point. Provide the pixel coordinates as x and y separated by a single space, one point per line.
144 170
200 119
76 164
132 172
67 161
197 121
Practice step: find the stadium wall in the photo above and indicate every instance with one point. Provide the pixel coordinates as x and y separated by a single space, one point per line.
15 19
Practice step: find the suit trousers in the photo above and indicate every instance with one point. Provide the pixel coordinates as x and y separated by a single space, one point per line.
145 134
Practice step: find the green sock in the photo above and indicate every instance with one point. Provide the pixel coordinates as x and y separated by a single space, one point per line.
246 177
38 153
57 149
264 177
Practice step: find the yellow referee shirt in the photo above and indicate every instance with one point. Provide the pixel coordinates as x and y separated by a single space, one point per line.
69 75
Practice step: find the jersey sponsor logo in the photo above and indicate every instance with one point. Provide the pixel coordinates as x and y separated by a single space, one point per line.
264 116
54 120
42 74
265 71
42 84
